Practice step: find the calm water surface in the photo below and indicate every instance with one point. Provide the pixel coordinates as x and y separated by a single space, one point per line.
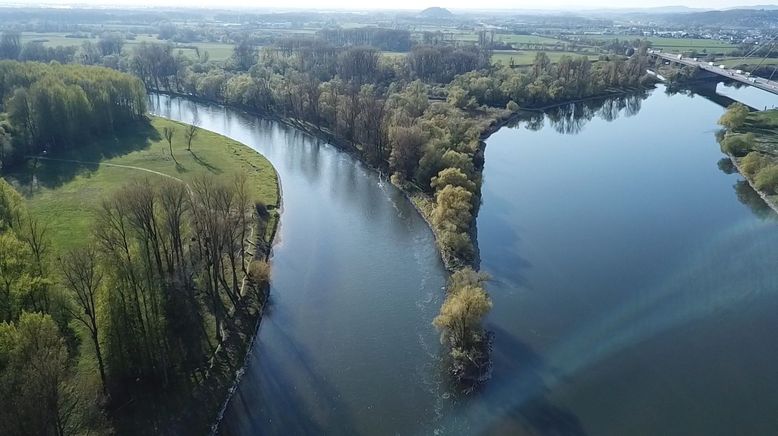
634 284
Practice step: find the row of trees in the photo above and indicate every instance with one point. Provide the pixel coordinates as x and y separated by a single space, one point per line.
12 48
51 107
382 39
168 252
145 303
546 82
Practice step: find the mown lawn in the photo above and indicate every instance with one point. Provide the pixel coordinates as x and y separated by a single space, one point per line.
65 195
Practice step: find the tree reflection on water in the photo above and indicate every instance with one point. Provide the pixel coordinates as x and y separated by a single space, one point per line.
571 118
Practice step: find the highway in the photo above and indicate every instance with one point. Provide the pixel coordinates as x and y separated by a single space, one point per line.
757 82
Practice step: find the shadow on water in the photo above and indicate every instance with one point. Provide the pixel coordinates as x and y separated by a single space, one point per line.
52 174
519 369
276 378
512 266
702 89
749 197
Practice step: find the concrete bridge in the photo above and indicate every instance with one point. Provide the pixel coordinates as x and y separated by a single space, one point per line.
757 82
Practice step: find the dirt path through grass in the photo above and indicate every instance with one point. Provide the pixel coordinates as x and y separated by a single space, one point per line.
108 165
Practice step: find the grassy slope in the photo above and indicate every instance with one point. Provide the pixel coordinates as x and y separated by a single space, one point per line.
66 194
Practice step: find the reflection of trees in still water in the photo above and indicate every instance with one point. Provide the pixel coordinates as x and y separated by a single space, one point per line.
749 197
746 194
571 118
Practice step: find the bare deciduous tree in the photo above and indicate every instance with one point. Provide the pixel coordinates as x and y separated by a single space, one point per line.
168 133
83 278
191 132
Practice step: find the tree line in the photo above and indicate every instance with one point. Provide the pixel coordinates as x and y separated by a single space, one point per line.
545 83
52 107
139 309
108 49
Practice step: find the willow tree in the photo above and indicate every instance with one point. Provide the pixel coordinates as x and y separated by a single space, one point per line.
460 326
735 116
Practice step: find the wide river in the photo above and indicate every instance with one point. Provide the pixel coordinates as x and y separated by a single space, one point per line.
635 283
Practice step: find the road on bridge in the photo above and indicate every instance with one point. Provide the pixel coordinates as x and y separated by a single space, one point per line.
757 82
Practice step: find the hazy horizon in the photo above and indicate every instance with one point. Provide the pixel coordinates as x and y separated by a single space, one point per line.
549 5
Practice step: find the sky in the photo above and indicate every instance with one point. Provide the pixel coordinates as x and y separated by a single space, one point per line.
403 4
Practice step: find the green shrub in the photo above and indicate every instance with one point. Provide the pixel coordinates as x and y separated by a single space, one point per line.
453 177
767 179
735 116
752 163
452 211
459 323
512 106
737 145
259 272
458 243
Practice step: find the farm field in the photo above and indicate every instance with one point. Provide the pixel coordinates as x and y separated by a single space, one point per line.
674 44
216 51
526 57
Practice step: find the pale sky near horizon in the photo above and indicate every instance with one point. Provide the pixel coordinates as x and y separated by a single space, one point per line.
401 4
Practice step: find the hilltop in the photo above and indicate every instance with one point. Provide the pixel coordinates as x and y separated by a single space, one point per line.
436 13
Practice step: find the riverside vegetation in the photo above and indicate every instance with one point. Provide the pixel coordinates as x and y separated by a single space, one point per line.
419 118
751 141
141 303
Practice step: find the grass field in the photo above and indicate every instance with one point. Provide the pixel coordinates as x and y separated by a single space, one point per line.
527 57
520 57
527 39
674 44
216 51
65 194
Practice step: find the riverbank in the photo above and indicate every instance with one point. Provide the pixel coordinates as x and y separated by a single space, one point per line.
263 249
772 203
488 121
760 132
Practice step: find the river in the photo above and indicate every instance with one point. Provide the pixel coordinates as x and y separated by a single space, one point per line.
634 284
